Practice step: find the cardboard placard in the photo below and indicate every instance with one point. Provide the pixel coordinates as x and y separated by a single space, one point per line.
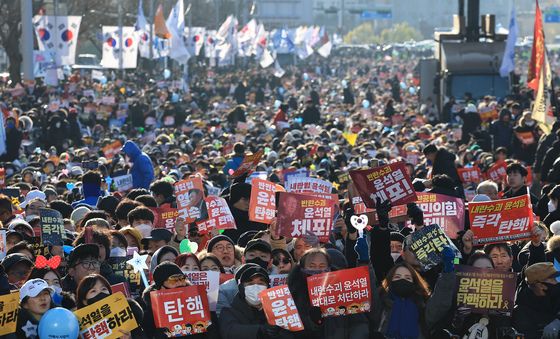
470 175
497 172
112 149
308 185
219 216
190 199
181 311
106 318
278 279
389 182
300 214
120 267
248 165
9 304
501 220
427 244
121 287
210 280
448 212
123 183
280 309
263 201
165 217
485 291
342 292
52 227
288 173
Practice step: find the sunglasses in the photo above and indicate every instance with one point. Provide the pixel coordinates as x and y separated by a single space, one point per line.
285 261
176 278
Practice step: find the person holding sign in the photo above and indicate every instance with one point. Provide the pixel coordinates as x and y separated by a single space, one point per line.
35 300
317 261
245 318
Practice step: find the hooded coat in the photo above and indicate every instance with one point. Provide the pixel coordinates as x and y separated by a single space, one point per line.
142 170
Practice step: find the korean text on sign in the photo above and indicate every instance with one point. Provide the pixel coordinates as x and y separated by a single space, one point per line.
165 217
485 291
470 175
280 309
341 292
219 216
181 311
501 220
263 201
249 163
52 227
210 280
9 304
427 244
497 172
123 183
308 185
389 182
106 318
300 214
445 211
190 199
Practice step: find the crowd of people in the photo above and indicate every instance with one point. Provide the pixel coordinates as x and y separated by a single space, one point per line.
64 145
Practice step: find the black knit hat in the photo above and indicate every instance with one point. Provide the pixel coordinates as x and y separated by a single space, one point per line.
164 271
238 191
217 239
249 273
397 236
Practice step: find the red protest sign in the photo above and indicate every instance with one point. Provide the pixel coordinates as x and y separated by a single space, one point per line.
389 182
470 175
300 214
190 199
2 177
249 163
308 185
526 138
181 311
280 309
219 216
501 220
497 172
121 287
443 210
262 206
341 292
110 150
165 217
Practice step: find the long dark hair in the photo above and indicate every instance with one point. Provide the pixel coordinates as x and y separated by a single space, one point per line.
421 287
87 284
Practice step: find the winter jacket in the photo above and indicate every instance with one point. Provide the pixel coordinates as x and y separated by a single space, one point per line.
545 144
227 293
241 321
243 224
311 115
531 313
92 192
233 164
550 156
27 321
530 254
551 217
502 131
142 170
386 305
445 164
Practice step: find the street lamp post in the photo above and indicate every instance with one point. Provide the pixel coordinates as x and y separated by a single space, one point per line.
26 42
121 45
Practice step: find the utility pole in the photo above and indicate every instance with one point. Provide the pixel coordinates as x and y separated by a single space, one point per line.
121 45
26 41
152 9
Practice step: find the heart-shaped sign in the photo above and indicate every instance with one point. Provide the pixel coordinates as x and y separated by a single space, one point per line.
359 222
70 186
187 246
109 181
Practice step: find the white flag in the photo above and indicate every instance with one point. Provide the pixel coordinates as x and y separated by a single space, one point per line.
195 37
266 59
58 35
111 45
260 42
176 25
246 38
210 44
278 70
226 36
325 44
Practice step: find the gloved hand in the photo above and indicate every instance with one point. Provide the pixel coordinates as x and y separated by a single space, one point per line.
382 209
268 331
361 249
315 315
552 330
448 256
348 213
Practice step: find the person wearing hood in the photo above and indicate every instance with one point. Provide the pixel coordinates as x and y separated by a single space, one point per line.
165 253
14 137
502 130
91 187
238 201
142 169
245 318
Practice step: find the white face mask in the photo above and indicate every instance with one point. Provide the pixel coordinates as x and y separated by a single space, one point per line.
530 122
30 217
145 229
252 294
118 252
395 255
56 289
551 207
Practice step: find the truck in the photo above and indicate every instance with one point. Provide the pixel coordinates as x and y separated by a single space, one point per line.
466 59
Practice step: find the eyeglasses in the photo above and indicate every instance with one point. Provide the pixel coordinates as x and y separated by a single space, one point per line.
222 248
177 278
284 261
88 265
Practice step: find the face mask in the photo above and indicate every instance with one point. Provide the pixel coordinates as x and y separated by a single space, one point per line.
252 294
57 125
530 123
313 272
402 288
551 207
145 229
258 261
97 298
30 217
118 252
395 256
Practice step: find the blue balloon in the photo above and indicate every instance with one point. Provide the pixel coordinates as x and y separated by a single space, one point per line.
59 323
365 103
166 73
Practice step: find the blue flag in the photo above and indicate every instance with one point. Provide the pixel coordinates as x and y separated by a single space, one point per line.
508 61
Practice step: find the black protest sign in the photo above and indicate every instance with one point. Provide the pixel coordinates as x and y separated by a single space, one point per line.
52 227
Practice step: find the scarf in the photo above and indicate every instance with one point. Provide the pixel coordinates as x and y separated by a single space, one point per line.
403 321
